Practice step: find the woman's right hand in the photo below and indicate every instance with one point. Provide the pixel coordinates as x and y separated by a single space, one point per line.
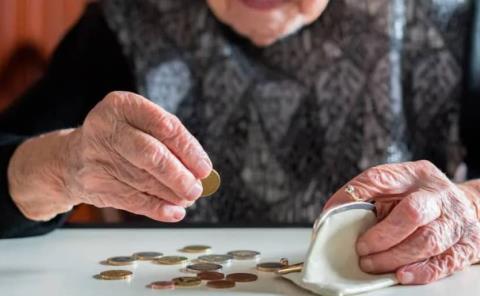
129 154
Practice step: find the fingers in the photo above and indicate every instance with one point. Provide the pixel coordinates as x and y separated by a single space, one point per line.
454 259
156 209
144 182
147 153
425 242
166 128
124 197
385 182
414 211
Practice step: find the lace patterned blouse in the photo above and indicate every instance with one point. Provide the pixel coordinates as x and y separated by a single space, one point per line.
369 82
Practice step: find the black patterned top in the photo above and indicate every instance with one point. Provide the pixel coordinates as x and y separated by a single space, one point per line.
369 82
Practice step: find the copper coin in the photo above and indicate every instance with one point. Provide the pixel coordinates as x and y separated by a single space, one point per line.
242 277
221 284
210 276
162 285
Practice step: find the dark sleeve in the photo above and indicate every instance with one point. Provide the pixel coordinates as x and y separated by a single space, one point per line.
470 120
87 65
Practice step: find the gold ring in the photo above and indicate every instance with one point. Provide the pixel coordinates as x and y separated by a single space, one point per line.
350 190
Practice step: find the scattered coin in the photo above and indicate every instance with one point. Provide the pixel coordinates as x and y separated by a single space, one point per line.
270 266
120 260
170 260
244 254
290 269
146 255
186 281
196 249
210 276
115 275
242 277
219 259
211 184
221 284
199 267
162 285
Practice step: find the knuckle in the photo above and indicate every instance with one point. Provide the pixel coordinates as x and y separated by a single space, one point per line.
430 242
381 175
184 183
426 165
139 204
157 157
410 209
187 145
115 98
171 126
374 172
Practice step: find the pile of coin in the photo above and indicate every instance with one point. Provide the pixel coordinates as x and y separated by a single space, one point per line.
206 267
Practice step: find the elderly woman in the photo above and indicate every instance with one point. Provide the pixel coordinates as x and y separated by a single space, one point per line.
290 99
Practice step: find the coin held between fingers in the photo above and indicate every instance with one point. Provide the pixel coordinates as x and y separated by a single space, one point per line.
211 183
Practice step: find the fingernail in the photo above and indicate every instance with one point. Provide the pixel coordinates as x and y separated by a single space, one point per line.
178 213
205 166
362 249
196 191
366 264
173 212
407 278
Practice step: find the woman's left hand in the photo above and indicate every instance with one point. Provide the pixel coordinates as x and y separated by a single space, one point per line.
428 226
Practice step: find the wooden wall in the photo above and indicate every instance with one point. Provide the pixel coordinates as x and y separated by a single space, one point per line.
29 32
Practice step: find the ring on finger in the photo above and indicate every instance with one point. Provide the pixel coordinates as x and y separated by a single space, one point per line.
350 190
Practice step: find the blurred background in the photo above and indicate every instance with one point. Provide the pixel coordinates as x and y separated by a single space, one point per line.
29 32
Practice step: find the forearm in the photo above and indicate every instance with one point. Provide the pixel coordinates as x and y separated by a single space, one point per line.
472 191
36 176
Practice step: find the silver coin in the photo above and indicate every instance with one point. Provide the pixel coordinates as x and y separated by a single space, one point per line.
199 267
244 254
216 258
120 260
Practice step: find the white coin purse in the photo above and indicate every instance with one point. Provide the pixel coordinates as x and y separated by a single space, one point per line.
331 265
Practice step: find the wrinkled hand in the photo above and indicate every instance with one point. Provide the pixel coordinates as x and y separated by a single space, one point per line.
428 227
129 154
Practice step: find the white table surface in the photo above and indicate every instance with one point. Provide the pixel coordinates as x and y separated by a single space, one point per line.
63 262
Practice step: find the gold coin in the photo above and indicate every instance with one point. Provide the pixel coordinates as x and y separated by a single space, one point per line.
196 249
170 260
270 266
120 260
221 284
146 255
211 184
115 275
187 281
290 269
